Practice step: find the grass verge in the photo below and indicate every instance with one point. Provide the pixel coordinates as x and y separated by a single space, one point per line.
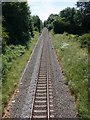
74 62
14 73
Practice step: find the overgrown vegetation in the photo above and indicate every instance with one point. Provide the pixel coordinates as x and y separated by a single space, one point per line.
11 54
72 45
85 40
14 62
18 40
74 62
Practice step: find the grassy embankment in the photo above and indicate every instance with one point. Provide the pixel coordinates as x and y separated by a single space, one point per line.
74 62
15 67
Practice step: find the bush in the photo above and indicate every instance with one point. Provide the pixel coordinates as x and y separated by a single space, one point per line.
59 26
11 53
85 40
5 39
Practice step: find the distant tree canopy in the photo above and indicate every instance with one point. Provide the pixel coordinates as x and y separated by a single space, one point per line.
68 14
37 23
59 25
71 20
50 20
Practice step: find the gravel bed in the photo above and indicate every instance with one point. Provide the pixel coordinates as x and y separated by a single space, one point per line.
64 103
19 101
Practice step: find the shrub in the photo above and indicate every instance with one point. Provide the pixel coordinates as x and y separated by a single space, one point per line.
5 39
85 40
11 53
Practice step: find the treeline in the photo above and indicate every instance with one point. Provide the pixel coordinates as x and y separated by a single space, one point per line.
18 24
71 20
18 29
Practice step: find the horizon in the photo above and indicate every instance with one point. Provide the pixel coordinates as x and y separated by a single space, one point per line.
46 7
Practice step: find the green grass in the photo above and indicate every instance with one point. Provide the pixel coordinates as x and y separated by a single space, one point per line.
13 75
74 62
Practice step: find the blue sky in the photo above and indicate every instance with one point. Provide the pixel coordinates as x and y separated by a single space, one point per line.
43 8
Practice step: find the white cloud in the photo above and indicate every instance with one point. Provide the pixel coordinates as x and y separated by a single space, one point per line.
43 8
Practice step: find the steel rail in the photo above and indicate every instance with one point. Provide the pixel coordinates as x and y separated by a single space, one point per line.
36 88
47 96
42 96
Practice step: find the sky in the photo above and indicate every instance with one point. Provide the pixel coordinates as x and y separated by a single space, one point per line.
43 8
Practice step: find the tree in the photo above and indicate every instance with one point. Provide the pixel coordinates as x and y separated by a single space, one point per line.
74 18
45 23
60 26
50 21
68 14
84 8
37 23
17 22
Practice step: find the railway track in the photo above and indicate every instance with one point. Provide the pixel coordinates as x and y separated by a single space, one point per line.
43 100
42 94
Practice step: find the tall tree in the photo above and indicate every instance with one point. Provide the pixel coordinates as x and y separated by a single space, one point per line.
68 13
17 21
50 20
37 23
84 8
60 26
